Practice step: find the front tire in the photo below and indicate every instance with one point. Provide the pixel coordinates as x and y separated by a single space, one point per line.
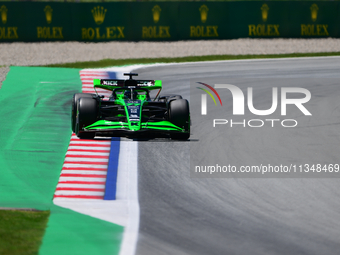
74 107
179 115
86 115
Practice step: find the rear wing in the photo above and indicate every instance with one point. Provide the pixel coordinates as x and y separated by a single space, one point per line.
109 84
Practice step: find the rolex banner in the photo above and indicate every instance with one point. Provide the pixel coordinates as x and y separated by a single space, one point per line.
35 22
167 21
101 22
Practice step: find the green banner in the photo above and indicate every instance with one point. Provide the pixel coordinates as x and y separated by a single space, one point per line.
101 22
167 21
35 21
259 19
12 22
314 19
155 21
203 21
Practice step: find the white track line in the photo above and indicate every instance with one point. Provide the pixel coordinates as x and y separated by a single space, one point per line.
128 190
69 165
81 179
79 192
92 186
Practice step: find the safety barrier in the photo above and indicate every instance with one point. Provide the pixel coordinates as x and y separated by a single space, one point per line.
167 21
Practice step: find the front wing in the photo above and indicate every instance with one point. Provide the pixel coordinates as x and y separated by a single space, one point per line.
117 128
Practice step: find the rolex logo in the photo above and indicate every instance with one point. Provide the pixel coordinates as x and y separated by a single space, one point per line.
204 13
3 11
48 13
98 14
156 12
264 10
314 11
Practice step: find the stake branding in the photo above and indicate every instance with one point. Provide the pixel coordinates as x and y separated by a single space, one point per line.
239 105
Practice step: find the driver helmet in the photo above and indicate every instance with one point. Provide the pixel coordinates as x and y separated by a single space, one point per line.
127 94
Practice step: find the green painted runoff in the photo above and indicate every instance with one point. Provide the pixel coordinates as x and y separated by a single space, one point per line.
34 136
34 133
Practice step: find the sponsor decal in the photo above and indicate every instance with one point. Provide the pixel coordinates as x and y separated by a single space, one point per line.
263 30
156 13
314 12
133 102
204 13
146 83
7 32
3 11
109 82
264 10
101 33
47 32
98 14
50 32
156 31
201 30
48 13
314 29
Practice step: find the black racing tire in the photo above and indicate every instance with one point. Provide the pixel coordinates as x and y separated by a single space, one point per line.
74 107
168 98
86 115
179 115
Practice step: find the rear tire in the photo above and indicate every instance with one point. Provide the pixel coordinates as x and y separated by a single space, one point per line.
179 115
74 107
168 98
86 115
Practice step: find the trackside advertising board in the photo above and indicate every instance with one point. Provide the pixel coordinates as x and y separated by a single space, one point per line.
167 21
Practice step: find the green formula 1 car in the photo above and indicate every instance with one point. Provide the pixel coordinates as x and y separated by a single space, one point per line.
130 111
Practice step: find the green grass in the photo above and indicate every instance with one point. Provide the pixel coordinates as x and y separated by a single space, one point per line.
21 232
122 62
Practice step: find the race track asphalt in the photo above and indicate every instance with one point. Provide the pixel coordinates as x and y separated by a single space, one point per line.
184 215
